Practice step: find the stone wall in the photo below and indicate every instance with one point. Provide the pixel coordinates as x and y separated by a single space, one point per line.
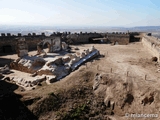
118 38
82 37
122 39
152 45
8 43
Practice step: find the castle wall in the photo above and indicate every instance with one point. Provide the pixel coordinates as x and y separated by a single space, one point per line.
32 42
83 37
120 38
152 45
9 41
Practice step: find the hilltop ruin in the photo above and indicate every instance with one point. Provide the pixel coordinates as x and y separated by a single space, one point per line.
118 75
62 63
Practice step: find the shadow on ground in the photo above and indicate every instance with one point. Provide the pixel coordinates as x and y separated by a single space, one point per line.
4 61
11 108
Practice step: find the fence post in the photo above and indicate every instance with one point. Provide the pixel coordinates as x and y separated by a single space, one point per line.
97 67
127 73
111 70
145 77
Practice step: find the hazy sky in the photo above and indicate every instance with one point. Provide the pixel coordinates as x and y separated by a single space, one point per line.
80 12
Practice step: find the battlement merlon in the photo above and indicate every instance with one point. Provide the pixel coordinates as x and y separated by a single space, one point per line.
6 35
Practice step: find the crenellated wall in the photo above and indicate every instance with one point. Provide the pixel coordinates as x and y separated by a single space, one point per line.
77 38
8 41
122 39
152 44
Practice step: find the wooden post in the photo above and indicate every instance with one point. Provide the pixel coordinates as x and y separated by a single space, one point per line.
111 70
145 77
86 65
97 67
127 73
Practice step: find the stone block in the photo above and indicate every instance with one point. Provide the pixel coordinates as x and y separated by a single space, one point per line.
50 79
66 59
5 69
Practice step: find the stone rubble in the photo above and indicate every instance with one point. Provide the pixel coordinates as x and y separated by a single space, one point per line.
5 70
50 69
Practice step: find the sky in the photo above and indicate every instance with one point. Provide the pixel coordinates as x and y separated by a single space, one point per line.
121 13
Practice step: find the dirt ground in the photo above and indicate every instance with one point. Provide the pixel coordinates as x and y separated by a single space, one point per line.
125 62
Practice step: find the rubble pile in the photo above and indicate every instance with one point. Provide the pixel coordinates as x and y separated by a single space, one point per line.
62 66
28 64
49 68
45 66
5 70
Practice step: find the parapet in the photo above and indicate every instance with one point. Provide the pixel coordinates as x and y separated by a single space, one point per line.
8 34
19 34
43 34
3 34
34 34
29 34
149 34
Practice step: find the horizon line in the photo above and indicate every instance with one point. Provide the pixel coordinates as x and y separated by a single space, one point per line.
122 26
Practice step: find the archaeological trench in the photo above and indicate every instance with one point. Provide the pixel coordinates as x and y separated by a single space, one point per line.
59 61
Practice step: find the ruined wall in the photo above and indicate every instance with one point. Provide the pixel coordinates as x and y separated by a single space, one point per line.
119 38
152 45
32 41
83 37
122 39
8 43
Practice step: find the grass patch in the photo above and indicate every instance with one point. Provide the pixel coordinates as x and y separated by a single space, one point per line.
78 113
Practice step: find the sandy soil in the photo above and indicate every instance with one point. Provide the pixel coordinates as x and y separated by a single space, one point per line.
127 61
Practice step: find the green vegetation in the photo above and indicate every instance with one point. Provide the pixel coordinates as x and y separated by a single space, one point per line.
78 113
